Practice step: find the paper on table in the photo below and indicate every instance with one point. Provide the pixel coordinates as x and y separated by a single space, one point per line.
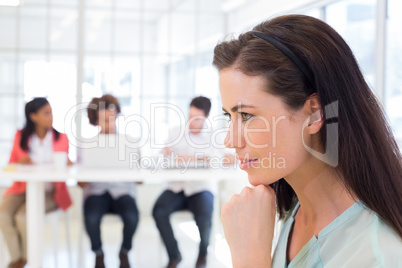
10 168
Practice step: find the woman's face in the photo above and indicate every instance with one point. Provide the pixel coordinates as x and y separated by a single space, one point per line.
43 117
196 119
107 121
266 134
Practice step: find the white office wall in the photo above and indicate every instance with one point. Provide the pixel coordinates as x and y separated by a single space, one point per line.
142 51
393 70
148 52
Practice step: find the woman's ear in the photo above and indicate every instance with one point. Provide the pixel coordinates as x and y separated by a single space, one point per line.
33 117
316 118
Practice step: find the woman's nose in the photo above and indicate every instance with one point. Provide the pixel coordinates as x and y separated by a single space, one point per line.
234 136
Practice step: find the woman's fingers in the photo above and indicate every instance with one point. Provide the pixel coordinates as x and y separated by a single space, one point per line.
25 161
248 220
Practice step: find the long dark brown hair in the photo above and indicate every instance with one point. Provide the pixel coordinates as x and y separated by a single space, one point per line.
369 162
32 107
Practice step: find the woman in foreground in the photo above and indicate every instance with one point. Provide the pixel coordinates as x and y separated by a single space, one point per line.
305 123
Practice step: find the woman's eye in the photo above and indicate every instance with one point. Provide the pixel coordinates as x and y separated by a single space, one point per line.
228 116
245 116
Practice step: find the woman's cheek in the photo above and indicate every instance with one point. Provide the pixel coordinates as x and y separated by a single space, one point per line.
256 134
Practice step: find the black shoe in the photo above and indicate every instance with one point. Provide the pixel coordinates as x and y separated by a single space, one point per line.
99 263
174 263
124 263
201 262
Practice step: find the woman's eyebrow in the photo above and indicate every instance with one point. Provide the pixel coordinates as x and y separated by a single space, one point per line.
238 107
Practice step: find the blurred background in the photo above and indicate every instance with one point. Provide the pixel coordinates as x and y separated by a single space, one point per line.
160 51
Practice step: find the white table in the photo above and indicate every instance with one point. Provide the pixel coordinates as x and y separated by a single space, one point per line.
35 176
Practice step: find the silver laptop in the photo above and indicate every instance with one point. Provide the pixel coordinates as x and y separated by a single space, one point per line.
163 162
109 151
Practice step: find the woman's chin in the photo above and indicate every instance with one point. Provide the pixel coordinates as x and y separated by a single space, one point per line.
256 178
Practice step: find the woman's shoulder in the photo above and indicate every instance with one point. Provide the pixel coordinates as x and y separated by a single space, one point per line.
359 238
63 136
385 242
18 133
365 240
375 228
389 244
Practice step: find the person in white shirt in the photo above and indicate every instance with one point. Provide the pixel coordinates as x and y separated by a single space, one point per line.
194 145
101 198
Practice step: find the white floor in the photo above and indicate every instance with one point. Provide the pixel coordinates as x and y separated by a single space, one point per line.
148 251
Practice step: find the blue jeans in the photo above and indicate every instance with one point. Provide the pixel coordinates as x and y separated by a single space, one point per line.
96 206
200 204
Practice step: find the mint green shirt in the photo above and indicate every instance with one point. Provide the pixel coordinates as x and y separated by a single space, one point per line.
357 238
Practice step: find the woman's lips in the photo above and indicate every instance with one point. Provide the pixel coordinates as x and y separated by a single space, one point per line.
245 164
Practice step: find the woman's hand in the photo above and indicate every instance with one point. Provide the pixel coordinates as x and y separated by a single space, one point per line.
248 221
82 184
25 161
166 151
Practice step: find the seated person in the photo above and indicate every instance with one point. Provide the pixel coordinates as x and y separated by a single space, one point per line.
34 144
101 198
194 196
